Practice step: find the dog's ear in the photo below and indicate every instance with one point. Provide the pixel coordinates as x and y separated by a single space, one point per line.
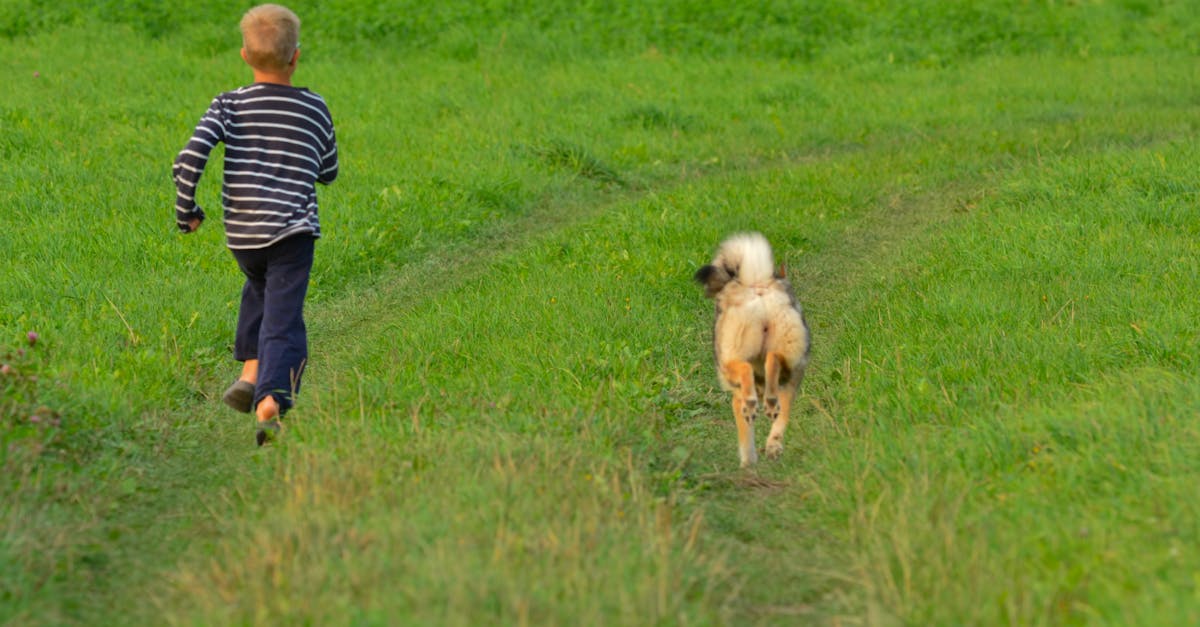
712 278
704 274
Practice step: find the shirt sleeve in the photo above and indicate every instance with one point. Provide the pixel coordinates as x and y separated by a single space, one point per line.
329 161
190 162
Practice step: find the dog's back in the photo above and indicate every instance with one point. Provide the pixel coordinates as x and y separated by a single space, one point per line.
757 311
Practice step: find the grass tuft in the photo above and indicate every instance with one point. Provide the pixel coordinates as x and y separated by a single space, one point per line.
575 159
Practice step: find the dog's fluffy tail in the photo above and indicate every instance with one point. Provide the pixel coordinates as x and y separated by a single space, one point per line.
744 257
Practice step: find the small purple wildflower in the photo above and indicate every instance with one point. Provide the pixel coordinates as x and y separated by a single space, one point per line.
32 336
36 73
6 369
35 419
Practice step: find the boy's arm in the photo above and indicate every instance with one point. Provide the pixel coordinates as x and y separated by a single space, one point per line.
189 165
329 161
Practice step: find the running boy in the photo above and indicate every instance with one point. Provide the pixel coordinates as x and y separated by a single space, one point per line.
279 142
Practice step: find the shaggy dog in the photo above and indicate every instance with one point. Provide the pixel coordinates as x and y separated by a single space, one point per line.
760 338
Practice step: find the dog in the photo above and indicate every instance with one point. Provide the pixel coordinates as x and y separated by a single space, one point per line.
760 337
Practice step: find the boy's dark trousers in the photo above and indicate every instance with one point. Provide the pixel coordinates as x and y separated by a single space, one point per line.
270 325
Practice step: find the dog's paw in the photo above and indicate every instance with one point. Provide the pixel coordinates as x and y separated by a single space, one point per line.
774 448
749 408
771 408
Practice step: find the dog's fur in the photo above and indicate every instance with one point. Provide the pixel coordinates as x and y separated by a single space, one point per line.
760 338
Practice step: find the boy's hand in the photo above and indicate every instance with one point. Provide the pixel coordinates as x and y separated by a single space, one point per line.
194 224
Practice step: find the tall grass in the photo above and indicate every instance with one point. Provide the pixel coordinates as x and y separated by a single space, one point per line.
806 30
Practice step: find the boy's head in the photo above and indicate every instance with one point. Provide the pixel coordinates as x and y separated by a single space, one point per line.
270 37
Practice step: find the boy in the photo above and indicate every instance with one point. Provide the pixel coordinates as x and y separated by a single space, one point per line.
279 142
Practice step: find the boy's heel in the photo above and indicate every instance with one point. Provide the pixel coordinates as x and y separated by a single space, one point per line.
239 396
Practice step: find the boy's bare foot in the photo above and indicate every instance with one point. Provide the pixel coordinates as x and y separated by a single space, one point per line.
268 409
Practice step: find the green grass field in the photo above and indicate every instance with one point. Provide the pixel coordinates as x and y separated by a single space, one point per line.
511 416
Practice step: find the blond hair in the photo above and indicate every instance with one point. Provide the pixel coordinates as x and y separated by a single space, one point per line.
270 35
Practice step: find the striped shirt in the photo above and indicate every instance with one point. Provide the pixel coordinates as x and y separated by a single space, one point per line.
279 142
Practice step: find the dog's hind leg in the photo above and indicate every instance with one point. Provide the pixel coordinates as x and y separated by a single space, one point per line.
775 439
771 367
787 394
745 430
776 403
740 375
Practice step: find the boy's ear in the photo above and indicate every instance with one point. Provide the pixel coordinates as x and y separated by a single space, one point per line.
295 57
244 56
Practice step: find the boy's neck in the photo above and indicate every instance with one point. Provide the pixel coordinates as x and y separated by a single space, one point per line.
276 78
281 76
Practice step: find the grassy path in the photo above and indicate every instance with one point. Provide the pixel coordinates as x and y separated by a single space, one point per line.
792 568
192 489
763 517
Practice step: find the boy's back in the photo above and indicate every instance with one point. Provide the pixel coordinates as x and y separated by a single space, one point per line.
279 141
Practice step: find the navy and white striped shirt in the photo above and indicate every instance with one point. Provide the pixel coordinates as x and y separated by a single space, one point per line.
279 142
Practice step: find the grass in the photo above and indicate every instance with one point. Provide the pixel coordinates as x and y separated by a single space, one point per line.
511 416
